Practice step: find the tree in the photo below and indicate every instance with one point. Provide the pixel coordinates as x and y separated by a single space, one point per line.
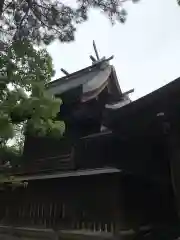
45 20
24 103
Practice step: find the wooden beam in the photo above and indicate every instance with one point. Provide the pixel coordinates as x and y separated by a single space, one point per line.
92 58
110 58
95 49
128 92
64 71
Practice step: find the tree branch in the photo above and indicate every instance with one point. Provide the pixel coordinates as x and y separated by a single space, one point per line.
7 6
23 18
25 15
43 21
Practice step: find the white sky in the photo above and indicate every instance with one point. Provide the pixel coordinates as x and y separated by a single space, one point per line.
146 48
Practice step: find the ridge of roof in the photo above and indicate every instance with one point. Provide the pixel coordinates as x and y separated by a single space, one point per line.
79 72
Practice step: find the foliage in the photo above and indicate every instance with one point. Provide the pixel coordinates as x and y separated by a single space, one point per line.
9 154
46 20
24 102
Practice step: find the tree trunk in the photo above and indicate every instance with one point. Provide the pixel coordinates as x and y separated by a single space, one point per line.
1 6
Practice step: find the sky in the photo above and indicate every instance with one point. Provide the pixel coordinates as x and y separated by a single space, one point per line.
146 48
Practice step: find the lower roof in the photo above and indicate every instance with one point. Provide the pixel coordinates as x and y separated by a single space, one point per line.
60 174
133 116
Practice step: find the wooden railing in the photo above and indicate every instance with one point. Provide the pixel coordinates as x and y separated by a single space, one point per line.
53 215
76 203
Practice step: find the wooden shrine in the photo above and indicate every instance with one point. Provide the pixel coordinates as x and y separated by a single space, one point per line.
115 172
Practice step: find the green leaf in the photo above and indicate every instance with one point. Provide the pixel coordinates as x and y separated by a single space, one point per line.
23 97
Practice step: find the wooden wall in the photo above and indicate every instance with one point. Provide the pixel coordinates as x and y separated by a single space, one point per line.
89 202
106 202
139 155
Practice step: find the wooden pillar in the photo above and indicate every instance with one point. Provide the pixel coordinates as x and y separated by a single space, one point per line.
170 127
118 203
174 162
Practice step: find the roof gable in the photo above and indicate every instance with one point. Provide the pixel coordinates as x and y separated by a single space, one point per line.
92 80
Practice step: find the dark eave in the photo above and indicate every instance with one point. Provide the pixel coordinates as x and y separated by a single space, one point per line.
141 112
60 174
159 98
107 132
